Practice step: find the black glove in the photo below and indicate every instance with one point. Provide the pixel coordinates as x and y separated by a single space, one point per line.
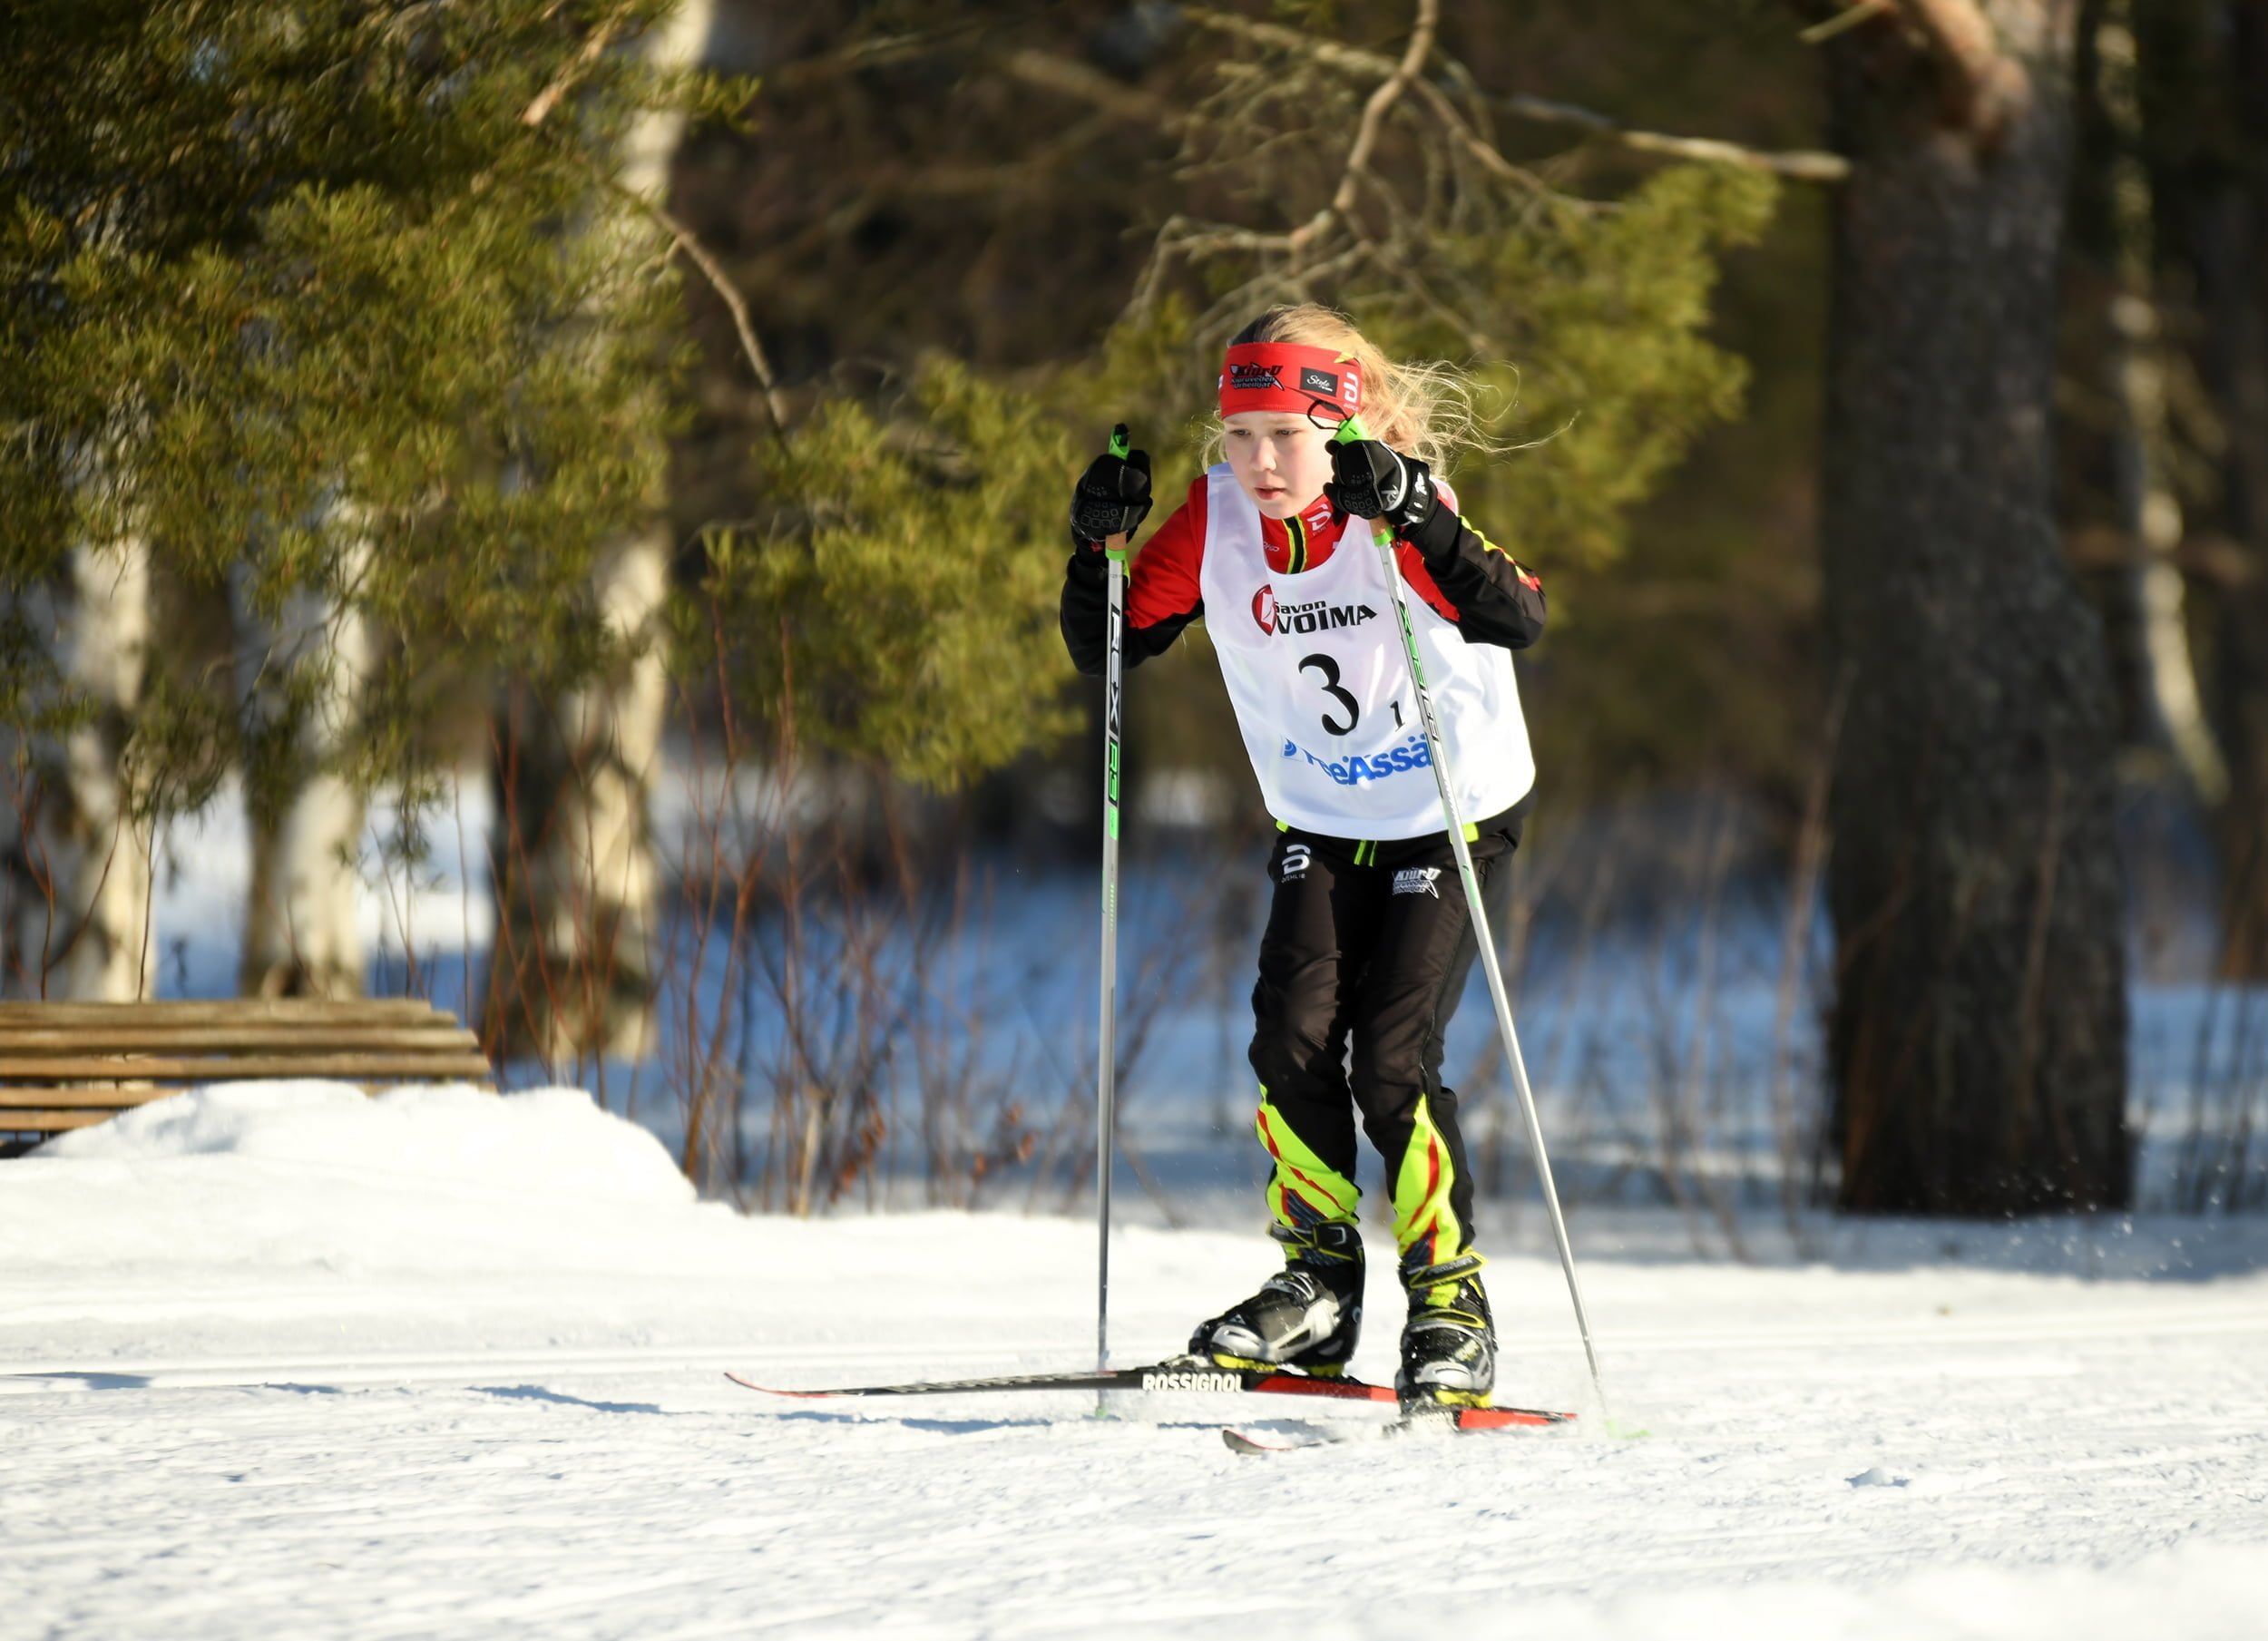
1112 496
1372 482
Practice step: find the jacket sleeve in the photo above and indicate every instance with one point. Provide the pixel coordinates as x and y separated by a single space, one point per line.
1492 599
1162 595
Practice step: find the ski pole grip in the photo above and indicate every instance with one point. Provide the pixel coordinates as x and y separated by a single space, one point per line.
1350 431
1121 443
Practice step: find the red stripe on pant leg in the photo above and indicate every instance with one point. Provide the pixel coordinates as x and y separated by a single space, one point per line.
1294 1169
1432 1187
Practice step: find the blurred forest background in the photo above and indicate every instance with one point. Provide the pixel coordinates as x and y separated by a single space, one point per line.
597 472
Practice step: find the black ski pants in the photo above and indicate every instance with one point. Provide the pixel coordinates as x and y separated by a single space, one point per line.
1367 948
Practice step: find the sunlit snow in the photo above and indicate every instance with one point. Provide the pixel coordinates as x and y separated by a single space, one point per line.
283 1360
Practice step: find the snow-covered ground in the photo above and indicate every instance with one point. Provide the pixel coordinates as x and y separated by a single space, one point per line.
281 1362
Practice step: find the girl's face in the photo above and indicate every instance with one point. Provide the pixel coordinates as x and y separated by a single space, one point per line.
1280 458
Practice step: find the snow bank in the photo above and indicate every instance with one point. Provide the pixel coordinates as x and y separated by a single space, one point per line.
547 1140
440 1179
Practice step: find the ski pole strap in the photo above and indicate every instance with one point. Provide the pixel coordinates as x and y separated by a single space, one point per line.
1419 1277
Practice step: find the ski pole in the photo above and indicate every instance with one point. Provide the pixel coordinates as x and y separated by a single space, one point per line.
1349 432
1106 1066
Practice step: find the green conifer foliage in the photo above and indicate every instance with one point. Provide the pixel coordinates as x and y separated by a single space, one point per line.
287 278
1606 354
899 603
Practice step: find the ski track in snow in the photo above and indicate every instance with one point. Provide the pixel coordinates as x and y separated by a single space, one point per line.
438 1414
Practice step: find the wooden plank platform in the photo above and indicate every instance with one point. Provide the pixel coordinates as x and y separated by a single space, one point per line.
71 1065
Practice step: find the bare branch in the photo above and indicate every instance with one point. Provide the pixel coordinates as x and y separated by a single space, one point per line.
1075 80
1491 159
880 52
714 272
546 99
1413 55
1808 164
1819 34
1348 59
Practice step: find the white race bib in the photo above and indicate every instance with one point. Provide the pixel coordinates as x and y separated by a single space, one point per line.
1314 668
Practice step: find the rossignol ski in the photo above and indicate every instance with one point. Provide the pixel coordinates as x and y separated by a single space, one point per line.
1177 1373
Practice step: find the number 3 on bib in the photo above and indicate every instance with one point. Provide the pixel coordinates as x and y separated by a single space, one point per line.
1330 687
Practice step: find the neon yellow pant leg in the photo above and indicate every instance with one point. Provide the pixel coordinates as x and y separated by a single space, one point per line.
1425 1227
1303 1190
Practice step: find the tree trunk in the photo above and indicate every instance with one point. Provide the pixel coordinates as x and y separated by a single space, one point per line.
2232 290
574 967
2169 717
303 921
1978 1037
2229 251
79 860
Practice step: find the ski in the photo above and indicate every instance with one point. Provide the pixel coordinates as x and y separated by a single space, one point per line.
1175 1375
1443 1421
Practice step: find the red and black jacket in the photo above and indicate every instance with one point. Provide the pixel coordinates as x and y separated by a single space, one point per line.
1463 575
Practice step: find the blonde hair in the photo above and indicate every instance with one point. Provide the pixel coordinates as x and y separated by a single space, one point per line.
1424 409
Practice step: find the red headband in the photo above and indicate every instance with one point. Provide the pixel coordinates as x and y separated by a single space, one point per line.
1286 375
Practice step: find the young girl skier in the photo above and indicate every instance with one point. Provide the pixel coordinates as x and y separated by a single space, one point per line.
1368 940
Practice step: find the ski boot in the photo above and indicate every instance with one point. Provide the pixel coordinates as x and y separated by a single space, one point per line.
1449 1343
1308 1315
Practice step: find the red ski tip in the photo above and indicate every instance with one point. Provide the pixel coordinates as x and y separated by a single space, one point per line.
1499 1418
772 1390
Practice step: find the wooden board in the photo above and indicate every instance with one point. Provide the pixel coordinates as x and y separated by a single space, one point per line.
441 1037
119 1056
50 1122
244 1011
121 1067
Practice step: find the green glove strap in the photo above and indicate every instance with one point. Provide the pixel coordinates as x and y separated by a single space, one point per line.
1352 431
1122 443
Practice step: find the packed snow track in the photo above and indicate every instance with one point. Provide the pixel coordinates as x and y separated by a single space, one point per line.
287 1362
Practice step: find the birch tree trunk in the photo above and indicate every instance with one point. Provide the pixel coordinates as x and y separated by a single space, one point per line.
2235 286
303 925
574 966
2173 714
1977 1038
78 864
2229 251
2203 85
